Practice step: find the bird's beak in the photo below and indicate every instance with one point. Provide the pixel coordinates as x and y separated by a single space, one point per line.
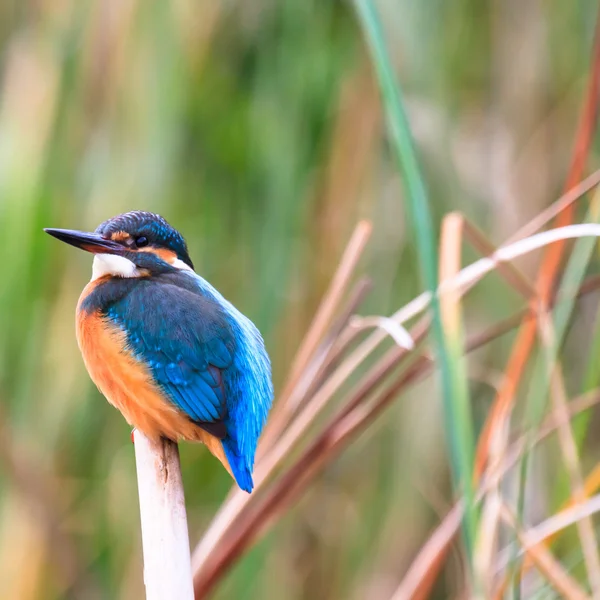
92 242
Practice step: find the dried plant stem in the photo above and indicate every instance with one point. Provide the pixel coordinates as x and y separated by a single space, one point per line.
557 207
288 401
510 272
545 562
570 453
233 508
548 272
350 420
431 556
571 511
425 568
547 530
167 567
418 580
237 501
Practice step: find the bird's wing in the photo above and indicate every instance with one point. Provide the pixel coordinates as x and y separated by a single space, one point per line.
186 341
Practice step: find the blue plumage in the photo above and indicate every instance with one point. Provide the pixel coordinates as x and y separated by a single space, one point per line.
206 356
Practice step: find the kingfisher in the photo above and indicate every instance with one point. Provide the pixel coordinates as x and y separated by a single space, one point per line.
165 347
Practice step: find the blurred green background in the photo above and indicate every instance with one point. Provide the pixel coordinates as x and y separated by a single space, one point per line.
255 128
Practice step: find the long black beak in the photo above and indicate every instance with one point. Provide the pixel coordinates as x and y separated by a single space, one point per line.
92 242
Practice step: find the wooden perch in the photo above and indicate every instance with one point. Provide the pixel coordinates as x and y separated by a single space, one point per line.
167 568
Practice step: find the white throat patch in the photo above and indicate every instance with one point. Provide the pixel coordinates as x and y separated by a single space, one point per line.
111 264
179 264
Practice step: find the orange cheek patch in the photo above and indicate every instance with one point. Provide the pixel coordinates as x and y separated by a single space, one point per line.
128 384
120 236
163 253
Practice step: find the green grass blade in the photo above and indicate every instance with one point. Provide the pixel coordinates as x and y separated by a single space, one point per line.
540 381
458 421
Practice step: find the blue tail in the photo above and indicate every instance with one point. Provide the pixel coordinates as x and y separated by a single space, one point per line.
242 470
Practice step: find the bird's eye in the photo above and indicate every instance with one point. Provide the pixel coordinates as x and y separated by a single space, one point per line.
141 241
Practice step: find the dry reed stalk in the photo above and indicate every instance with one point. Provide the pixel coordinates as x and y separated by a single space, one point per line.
563 516
432 554
351 418
548 272
499 412
288 400
570 453
417 582
454 227
557 207
166 546
546 531
206 554
550 424
235 505
510 272
237 501
450 262
591 483
424 569
558 522
417 586
344 426
545 562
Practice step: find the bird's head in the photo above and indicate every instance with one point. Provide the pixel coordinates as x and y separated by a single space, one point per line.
133 244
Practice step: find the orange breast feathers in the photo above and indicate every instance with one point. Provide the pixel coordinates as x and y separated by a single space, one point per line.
128 384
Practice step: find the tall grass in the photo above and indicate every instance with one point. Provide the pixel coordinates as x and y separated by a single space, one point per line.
449 342
257 130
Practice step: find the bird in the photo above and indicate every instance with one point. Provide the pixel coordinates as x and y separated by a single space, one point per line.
164 347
